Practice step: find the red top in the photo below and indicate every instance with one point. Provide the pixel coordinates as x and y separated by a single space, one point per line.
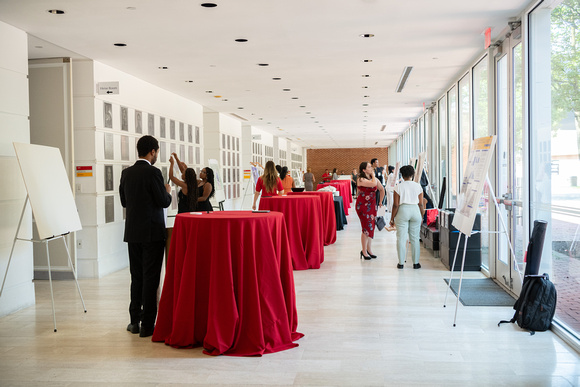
260 187
326 176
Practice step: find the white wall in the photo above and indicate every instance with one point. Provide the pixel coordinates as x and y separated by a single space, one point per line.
100 246
18 291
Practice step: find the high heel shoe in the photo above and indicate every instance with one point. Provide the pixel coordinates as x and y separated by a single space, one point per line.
372 256
364 256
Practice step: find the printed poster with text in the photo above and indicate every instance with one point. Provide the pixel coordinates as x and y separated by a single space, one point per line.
474 178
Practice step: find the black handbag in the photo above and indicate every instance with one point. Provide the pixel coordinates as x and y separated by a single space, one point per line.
380 222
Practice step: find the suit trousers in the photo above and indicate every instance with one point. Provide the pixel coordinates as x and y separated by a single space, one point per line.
145 261
408 222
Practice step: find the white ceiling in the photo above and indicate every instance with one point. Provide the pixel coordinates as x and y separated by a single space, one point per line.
314 46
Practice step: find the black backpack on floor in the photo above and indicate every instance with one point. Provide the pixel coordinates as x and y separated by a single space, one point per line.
537 304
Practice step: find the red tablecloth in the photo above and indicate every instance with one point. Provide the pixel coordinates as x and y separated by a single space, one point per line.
343 187
303 215
328 217
229 285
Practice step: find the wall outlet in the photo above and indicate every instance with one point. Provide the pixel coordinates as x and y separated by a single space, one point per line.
79 243
78 187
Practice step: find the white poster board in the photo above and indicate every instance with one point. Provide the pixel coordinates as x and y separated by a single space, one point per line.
220 195
474 179
49 191
419 167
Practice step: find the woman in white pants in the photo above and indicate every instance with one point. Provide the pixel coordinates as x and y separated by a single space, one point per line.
407 215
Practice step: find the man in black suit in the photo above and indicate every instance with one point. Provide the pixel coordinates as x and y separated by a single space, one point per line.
145 196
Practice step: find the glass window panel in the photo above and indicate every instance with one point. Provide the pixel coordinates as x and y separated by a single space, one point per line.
453 147
554 153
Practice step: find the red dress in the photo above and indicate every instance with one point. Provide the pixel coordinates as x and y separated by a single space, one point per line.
366 209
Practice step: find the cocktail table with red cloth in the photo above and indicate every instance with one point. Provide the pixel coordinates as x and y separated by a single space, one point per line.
343 189
328 216
303 215
229 285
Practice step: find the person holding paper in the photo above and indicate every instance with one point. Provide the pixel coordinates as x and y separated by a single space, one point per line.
407 215
366 206
269 184
144 195
187 196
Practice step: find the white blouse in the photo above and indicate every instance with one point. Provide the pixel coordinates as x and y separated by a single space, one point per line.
409 192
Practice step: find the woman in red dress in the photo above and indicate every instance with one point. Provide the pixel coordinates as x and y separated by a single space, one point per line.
269 184
366 206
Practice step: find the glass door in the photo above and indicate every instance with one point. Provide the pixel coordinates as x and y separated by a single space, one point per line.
510 162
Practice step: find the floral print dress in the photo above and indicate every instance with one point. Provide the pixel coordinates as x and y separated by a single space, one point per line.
366 209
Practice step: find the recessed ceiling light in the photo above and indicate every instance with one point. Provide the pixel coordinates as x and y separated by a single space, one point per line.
307 112
276 79
302 106
225 100
294 97
435 58
263 64
285 89
163 68
365 104
242 40
367 35
188 81
55 11
131 8
209 5
365 75
367 60
119 44
209 91
366 96
365 87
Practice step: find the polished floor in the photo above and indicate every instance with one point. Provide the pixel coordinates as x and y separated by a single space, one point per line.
366 323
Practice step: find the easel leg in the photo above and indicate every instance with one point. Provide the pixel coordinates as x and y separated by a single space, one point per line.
50 281
460 278
13 244
452 268
74 273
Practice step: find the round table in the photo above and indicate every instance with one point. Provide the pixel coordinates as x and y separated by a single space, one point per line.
303 217
343 187
229 285
328 217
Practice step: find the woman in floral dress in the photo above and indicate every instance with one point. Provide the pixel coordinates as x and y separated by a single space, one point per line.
366 206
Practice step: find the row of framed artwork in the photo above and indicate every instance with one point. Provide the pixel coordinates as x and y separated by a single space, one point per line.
161 127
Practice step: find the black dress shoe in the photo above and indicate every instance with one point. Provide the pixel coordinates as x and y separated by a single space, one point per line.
133 328
372 256
146 331
399 266
364 256
416 266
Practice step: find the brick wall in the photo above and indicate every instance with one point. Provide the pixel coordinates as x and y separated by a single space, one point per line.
343 159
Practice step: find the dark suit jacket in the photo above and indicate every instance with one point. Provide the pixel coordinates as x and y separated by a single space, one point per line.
143 193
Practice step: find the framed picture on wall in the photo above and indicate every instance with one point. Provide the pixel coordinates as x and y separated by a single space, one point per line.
109 209
109 147
108 115
138 121
124 119
108 177
151 124
124 147
162 127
